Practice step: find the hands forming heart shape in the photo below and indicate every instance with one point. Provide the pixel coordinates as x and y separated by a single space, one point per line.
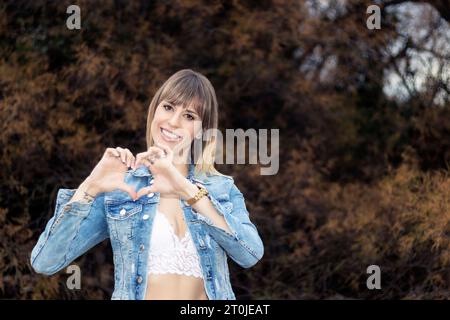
109 172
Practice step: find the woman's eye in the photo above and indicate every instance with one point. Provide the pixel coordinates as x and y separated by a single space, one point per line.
190 118
167 107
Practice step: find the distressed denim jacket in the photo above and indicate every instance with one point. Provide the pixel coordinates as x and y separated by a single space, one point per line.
76 227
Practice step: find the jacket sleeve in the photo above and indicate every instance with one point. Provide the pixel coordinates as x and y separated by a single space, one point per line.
74 228
243 245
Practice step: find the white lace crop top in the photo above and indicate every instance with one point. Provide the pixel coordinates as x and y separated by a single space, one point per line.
170 254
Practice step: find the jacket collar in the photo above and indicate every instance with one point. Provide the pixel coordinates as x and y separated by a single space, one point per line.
143 171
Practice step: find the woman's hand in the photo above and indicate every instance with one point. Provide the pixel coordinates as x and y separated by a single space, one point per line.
167 180
109 173
126 156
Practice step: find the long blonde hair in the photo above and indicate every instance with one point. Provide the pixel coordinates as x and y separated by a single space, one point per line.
183 88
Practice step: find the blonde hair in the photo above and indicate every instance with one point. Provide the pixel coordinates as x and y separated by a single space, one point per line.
187 87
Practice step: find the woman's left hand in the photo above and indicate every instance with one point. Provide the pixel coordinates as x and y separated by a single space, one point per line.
167 180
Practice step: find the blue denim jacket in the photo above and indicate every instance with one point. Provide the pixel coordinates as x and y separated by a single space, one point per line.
76 227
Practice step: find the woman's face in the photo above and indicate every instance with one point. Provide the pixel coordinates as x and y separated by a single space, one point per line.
175 126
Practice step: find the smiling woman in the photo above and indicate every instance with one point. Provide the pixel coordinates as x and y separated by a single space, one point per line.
185 108
173 219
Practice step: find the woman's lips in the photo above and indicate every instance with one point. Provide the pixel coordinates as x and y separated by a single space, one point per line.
169 136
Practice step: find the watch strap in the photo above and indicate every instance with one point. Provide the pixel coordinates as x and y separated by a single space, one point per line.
201 193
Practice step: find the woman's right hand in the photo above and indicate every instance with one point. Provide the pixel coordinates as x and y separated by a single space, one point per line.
109 173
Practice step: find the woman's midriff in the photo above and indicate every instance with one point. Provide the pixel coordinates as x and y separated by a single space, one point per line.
174 287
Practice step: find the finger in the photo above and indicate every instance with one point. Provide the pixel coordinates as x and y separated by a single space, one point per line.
152 151
145 190
133 162
113 152
158 152
122 154
138 159
129 189
144 157
147 163
165 148
129 157
125 156
151 157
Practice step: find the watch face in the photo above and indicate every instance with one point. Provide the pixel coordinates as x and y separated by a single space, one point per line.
200 185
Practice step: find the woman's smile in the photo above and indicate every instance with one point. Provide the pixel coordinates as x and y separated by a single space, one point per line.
169 136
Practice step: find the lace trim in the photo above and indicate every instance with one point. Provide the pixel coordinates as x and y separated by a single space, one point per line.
179 264
182 259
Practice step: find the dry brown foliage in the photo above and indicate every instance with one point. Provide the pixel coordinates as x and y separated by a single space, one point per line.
363 178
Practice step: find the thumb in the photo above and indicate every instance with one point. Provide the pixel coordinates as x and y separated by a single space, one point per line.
128 189
145 190
165 148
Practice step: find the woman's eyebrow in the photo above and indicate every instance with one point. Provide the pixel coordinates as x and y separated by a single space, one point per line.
191 111
188 110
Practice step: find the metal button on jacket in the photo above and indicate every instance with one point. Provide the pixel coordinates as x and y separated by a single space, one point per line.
122 212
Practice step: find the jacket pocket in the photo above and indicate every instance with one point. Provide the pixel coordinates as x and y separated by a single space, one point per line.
122 210
122 217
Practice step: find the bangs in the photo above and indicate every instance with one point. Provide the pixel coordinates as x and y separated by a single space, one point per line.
188 92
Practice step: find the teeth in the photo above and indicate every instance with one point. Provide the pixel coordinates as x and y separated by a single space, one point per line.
170 134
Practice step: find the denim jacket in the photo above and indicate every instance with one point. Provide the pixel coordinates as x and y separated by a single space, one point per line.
76 227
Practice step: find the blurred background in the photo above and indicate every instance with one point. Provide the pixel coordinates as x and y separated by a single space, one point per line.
364 119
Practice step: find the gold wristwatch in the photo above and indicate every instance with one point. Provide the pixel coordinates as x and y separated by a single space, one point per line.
202 192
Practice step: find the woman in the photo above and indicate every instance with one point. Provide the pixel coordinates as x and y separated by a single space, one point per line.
172 218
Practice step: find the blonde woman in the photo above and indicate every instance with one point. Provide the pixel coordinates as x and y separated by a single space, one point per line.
172 219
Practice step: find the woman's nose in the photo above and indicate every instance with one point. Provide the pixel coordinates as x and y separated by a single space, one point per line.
174 120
